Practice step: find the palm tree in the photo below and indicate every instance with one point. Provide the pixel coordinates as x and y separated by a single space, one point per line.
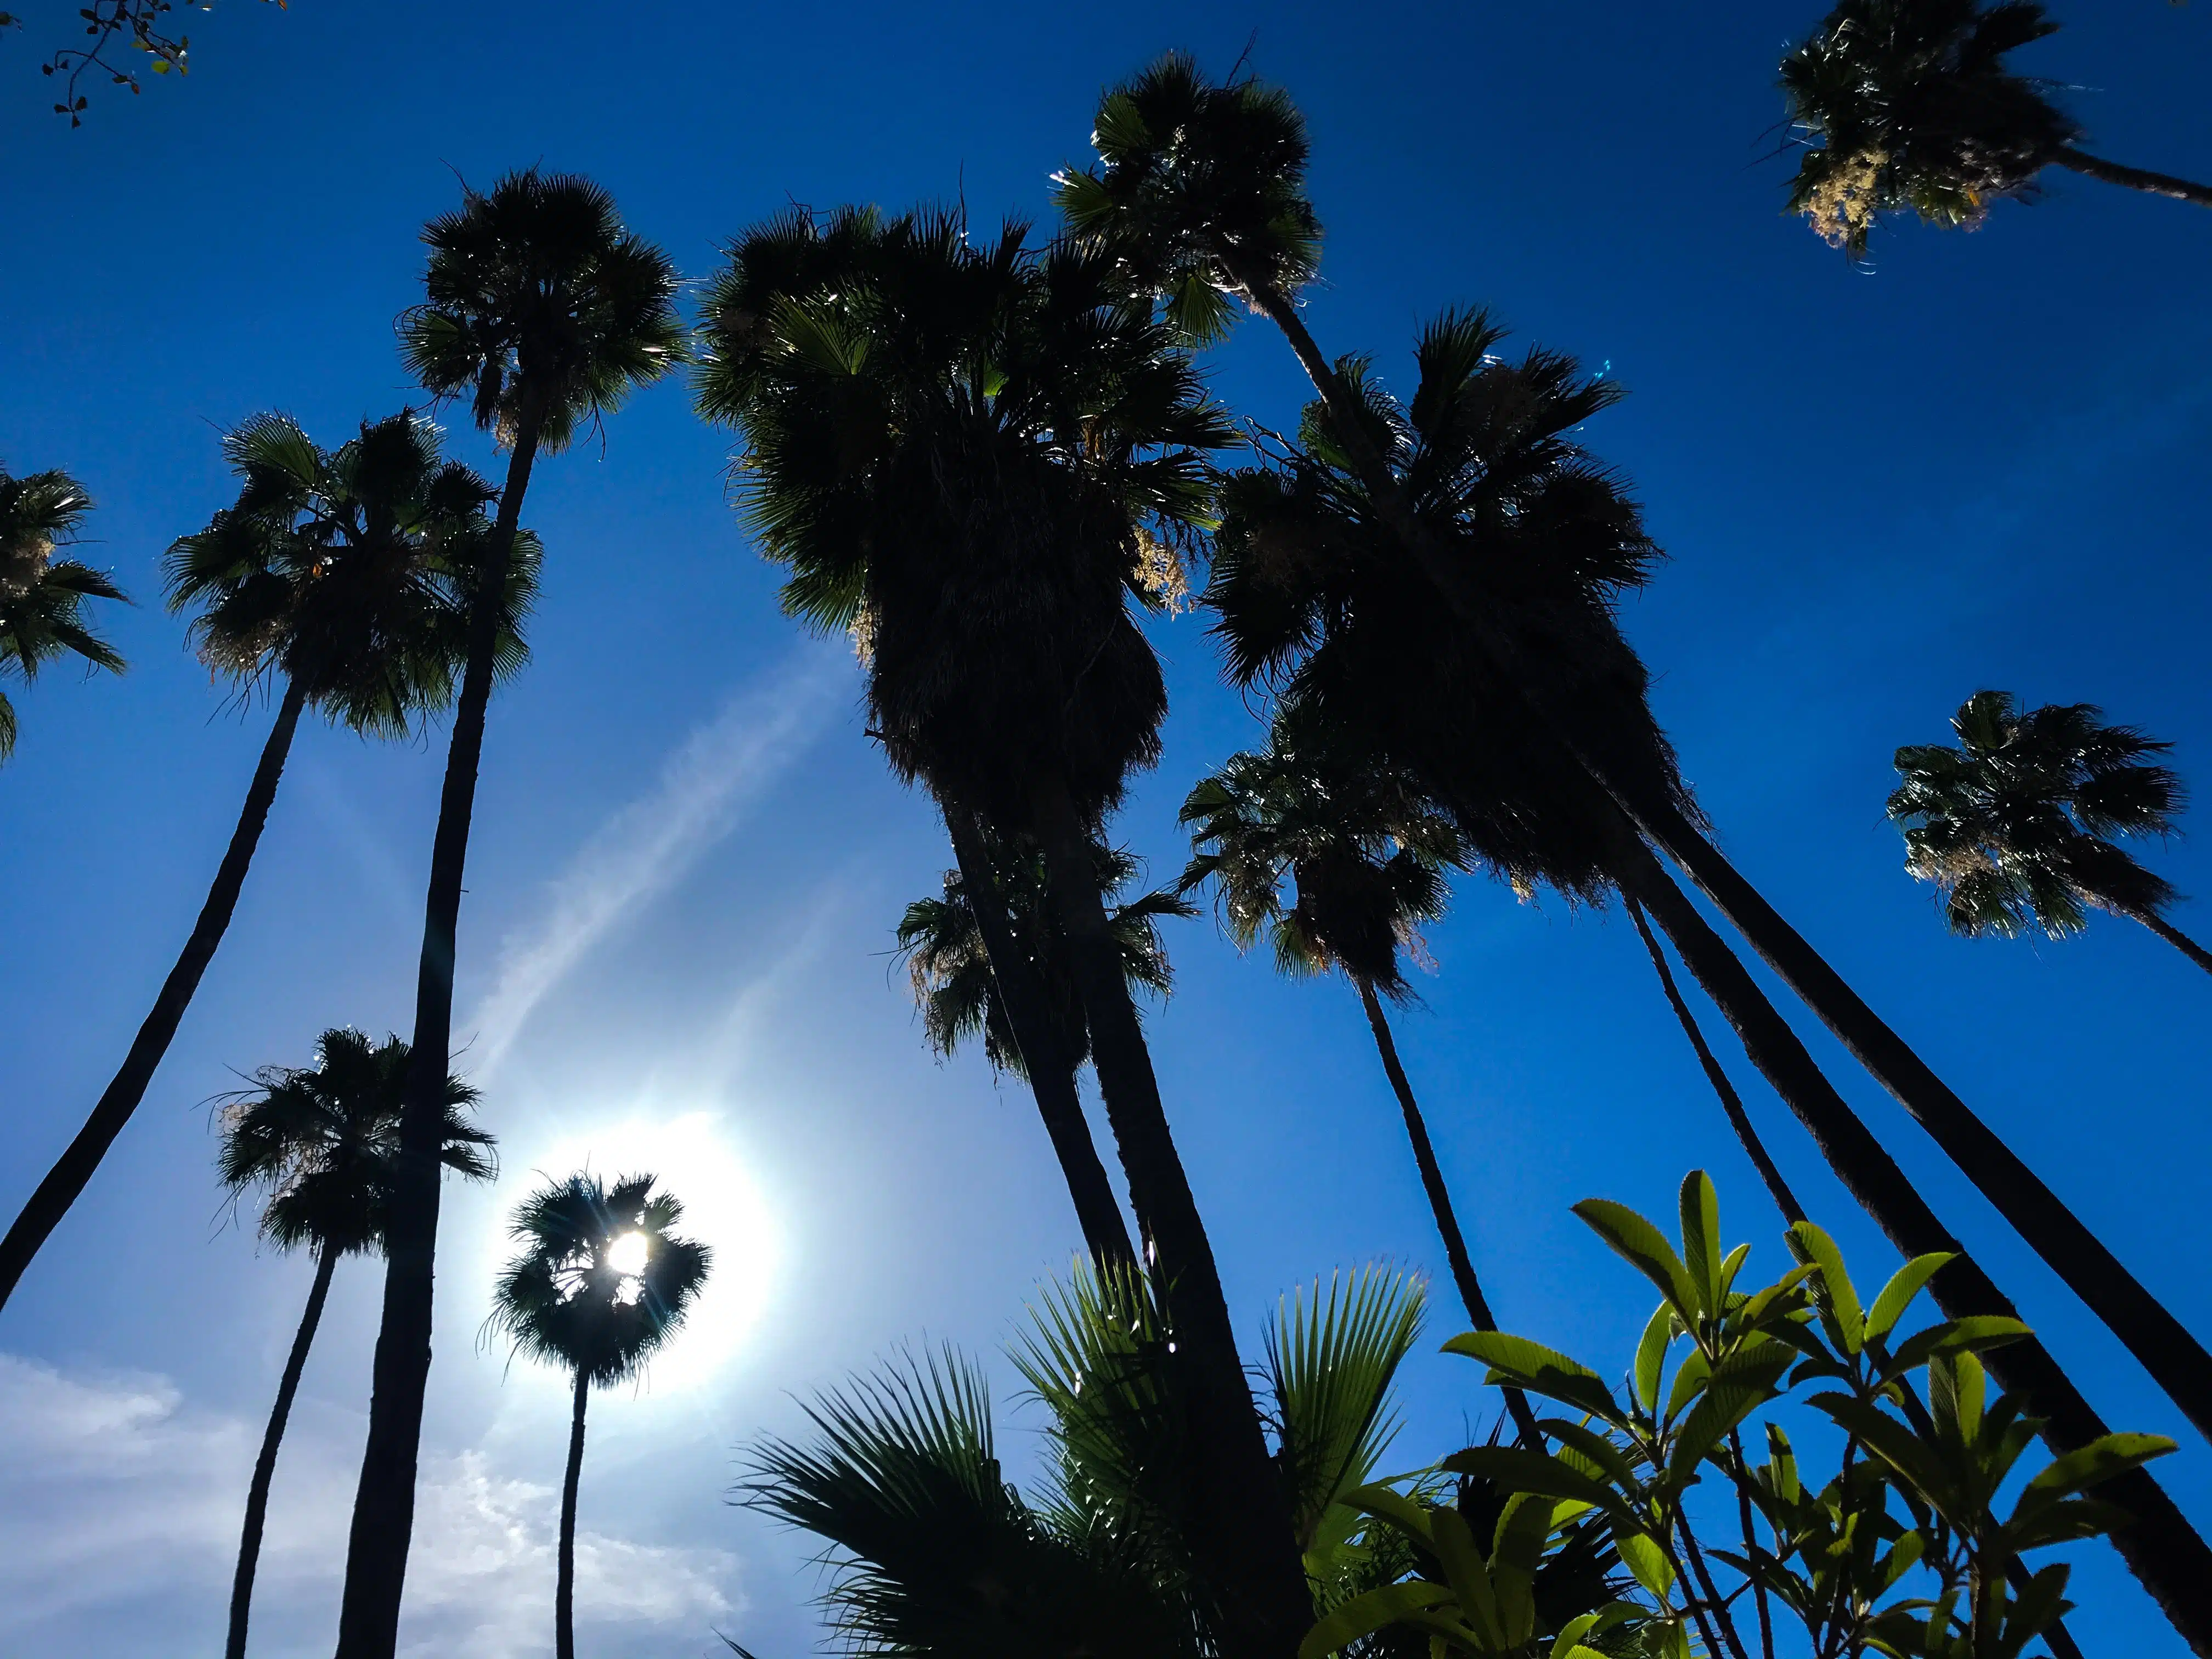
347 576
2014 825
42 597
956 986
320 1140
1201 190
600 1287
1907 104
979 452
544 312
1365 859
1315 598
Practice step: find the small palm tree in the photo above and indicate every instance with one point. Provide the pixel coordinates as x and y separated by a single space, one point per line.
956 986
2014 825
544 312
600 1287
1363 860
42 597
347 576
1907 104
319 1140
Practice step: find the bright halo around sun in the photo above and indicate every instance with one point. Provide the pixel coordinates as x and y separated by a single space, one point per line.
696 1163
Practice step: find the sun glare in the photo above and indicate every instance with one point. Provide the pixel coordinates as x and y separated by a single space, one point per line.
626 1255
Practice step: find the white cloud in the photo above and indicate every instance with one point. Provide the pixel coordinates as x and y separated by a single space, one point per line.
121 1524
648 846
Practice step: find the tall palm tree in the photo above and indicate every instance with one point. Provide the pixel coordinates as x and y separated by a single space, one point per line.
1200 191
2014 825
599 1287
544 312
347 576
1315 597
320 1140
42 597
1364 859
979 450
1907 104
956 986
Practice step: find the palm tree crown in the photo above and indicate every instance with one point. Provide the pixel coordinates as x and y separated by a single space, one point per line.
321 1140
2014 824
350 573
1913 107
537 291
42 597
955 989
601 1282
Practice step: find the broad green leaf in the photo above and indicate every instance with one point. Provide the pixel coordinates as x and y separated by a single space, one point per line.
1701 1239
1838 1301
1521 1530
1903 1285
1901 1558
1646 1249
1540 1370
1731 1269
1892 1441
1652 1356
1641 1554
1740 1384
1586 1449
1388 1504
1514 1468
1690 1377
2097 1462
2035 1609
1363 1615
1957 1387
1972 1334
1467 1574
1762 1302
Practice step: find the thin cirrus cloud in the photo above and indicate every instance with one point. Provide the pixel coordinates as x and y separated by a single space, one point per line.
645 847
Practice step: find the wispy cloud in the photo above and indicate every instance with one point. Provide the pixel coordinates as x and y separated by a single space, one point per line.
647 846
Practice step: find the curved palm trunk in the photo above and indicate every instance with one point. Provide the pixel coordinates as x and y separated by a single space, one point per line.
2162 1548
72 1171
2175 1359
1440 1204
564 1587
1731 1102
1052 1078
1246 1554
2114 173
384 1503
2173 936
265 1466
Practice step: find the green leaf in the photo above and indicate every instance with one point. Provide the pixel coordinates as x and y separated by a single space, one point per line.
1514 1468
1606 1461
1387 1504
1641 1554
1646 1249
1701 1239
1467 1574
1972 1334
1540 1370
1731 1269
1690 1377
1755 1312
1363 1615
2097 1462
1838 1301
1652 1356
1903 1285
1740 1384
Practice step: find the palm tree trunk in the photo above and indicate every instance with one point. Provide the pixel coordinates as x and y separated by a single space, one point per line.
2162 1548
2113 173
2175 1359
1052 1078
384 1503
73 1169
265 1466
1739 1120
564 1587
1440 1204
1247 1554
2173 936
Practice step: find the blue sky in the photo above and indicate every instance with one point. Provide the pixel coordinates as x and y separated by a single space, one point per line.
1979 463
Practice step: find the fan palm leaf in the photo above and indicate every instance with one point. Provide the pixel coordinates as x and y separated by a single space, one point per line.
42 598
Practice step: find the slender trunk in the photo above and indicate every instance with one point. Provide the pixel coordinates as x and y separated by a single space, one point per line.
1052 1077
1743 1515
73 1169
2173 936
2113 173
1440 1204
1241 1536
1739 1120
2160 1547
265 1466
2175 1359
564 1587
384 1503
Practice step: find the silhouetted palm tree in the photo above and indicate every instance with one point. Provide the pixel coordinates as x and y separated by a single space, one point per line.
1908 105
2014 824
42 597
978 453
320 1140
1316 597
346 575
956 986
600 1287
544 312
1364 859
